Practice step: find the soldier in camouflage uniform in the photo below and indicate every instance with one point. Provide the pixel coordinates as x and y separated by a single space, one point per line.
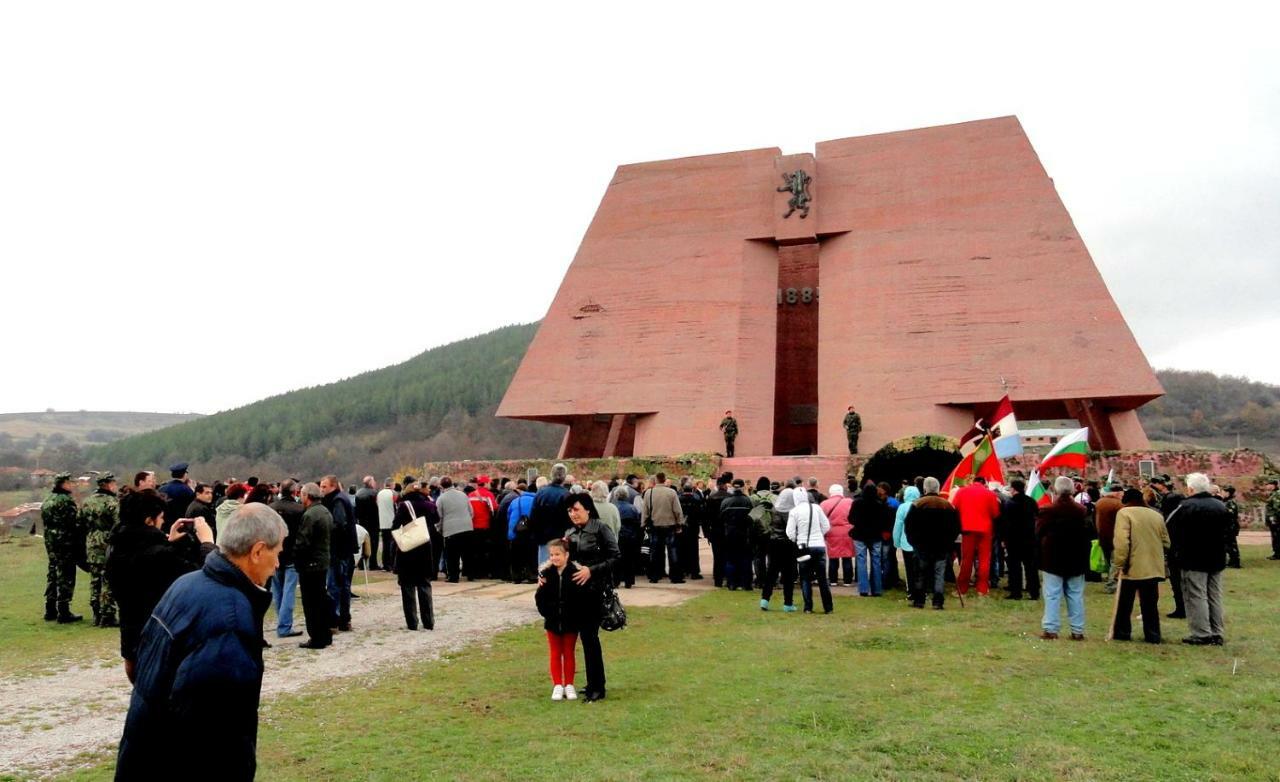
1272 512
62 542
1228 497
98 516
852 428
729 425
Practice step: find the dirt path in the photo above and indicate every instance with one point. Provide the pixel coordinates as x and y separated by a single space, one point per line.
49 723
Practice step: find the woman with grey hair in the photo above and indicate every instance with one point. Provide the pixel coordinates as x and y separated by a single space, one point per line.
1063 531
630 535
608 513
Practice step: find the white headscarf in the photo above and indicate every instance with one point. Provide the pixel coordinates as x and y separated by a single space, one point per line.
836 490
801 494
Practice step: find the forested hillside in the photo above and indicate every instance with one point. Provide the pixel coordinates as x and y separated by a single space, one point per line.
1214 408
438 405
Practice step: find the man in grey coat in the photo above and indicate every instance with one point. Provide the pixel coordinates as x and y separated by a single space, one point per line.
663 518
455 525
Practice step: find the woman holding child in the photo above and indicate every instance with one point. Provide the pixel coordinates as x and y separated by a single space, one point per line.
570 594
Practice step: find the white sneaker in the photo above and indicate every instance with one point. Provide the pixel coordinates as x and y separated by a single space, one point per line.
570 694
557 694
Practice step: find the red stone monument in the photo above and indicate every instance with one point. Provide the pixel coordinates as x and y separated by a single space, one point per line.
932 269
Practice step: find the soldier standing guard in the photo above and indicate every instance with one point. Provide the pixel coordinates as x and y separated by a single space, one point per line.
853 428
62 541
1233 542
729 425
98 516
1272 512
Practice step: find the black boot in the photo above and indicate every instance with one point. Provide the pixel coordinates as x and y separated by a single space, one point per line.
50 611
65 617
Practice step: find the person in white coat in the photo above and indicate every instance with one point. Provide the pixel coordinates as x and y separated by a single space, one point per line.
807 527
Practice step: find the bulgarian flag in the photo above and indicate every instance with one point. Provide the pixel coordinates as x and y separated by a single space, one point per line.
1071 452
1036 490
982 460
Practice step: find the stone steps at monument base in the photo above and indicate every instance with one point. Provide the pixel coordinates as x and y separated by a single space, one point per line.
827 469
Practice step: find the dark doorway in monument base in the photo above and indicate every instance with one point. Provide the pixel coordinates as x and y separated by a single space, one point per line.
903 460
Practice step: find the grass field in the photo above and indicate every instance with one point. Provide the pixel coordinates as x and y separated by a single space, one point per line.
717 689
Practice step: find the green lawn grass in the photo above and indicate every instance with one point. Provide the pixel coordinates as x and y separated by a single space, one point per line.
30 645
717 689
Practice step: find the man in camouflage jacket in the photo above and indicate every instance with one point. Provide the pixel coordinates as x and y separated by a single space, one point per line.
1272 514
98 516
63 539
729 425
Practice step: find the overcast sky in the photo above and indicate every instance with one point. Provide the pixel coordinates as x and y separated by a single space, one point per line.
205 204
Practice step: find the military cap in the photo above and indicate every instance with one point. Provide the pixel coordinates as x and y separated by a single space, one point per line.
106 477
1271 479
62 476
1159 479
178 469
1115 486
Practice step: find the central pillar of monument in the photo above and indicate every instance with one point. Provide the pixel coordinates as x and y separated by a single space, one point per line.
795 397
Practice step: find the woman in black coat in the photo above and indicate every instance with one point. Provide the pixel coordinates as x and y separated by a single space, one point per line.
594 549
415 568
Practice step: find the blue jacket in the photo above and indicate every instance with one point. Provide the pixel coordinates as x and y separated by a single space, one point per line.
199 678
550 517
900 541
519 507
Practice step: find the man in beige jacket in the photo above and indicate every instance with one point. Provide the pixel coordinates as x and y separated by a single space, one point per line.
1141 541
663 520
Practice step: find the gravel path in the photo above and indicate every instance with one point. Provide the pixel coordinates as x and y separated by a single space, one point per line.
47 721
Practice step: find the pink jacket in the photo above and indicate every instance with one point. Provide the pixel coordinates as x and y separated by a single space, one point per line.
839 544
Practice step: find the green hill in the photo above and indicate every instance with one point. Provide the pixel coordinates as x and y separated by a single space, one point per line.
437 405
440 405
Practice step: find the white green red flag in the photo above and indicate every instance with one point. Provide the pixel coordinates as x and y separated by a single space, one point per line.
1037 491
1071 452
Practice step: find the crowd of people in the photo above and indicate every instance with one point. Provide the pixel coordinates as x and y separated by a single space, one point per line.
186 570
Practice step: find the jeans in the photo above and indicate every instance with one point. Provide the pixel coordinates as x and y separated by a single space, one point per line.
284 584
1203 595
660 539
868 582
889 565
815 570
340 590
931 577
1054 587
974 545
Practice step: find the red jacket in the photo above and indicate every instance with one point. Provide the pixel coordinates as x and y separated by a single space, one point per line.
978 507
483 506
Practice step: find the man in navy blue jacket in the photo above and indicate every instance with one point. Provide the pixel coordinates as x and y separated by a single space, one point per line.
200 666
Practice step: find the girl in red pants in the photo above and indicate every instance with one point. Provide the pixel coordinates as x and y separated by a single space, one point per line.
560 601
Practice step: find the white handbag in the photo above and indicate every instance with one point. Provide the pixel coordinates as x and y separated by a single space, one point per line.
413 534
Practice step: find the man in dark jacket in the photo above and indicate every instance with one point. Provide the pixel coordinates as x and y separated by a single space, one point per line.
367 515
550 517
1064 535
932 525
143 562
714 529
694 508
1201 536
177 494
312 560
202 507
200 661
1017 527
342 551
284 582
735 524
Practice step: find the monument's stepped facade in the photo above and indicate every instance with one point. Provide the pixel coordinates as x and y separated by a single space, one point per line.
934 268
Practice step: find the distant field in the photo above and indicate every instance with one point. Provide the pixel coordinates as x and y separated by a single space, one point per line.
87 426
